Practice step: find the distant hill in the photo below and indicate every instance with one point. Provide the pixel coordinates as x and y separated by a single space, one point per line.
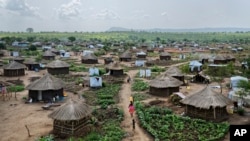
182 30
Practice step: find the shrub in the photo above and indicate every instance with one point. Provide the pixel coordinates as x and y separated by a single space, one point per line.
16 88
241 111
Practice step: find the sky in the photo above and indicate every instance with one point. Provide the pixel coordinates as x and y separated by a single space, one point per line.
100 15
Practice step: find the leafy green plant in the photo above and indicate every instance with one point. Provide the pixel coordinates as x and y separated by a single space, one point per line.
16 88
157 69
139 85
241 111
46 138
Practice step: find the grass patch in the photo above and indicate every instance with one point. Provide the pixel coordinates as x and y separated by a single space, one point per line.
139 85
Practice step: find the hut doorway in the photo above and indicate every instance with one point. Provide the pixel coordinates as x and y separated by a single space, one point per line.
39 97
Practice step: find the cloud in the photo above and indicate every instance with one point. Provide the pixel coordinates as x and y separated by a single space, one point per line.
164 14
20 7
69 10
107 15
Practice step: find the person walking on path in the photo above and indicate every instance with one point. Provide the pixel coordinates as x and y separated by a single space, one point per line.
131 109
133 123
129 79
131 99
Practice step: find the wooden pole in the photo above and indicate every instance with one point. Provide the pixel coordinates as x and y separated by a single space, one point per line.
28 130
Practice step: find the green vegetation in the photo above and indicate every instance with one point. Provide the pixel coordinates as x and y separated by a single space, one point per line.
162 124
139 85
46 138
105 96
140 96
16 88
77 67
157 69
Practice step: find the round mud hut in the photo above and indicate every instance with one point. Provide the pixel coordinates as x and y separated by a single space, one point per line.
55 51
115 69
230 58
31 64
164 86
206 104
14 69
89 59
72 118
58 67
17 59
176 73
126 56
108 60
48 55
165 56
45 88
220 59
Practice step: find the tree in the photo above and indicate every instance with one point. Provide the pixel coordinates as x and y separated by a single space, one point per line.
2 46
30 30
71 38
32 48
244 91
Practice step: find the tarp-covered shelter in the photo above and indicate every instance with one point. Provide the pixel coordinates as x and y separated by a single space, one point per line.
48 55
89 59
207 104
58 67
114 69
93 71
165 56
145 73
164 85
126 56
45 88
234 96
95 81
176 73
140 63
14 69
31 64
71 118
235 80
195 66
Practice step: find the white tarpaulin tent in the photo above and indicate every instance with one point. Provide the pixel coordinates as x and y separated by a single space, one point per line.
235 80
195 64
65 55
95 82
93 71
141 53
234 97
139 63
145 72
15 53
85 52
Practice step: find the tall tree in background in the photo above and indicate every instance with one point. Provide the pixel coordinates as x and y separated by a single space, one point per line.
30 30
71 38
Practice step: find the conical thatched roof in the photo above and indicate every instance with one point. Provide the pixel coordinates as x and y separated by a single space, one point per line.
30 61
71 110
173 71
229 56
48 53
126 55
57 64
47 82
114 66
165 82
219 57
14 66
18 58
206 98
89 56
165 54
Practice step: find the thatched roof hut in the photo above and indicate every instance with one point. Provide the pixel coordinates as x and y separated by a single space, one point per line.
115 69
31 64
200 78
150 49
17 59
164 85
229 58
89 59
48 55
14 69
71 118
55 51
165 56
58 67
108 60
203 58
220 59
126 56
46 88
175 72
207 104
1 53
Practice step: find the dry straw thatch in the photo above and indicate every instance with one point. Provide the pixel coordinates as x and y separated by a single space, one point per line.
126 55
114 66
47 82
173 71
30 61
57 64
72 110
48 53
89 56
206 98
165 82
219 57
14 66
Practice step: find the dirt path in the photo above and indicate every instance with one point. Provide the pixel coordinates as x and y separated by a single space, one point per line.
138 134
